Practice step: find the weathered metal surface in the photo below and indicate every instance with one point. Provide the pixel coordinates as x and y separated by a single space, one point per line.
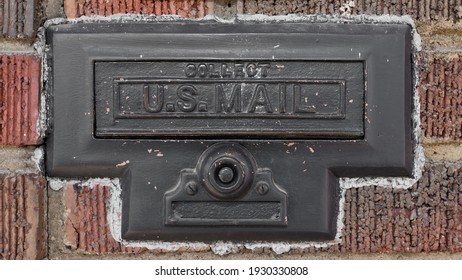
230 131
229 97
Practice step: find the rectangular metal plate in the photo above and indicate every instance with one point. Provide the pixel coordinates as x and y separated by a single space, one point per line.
222 98
207 212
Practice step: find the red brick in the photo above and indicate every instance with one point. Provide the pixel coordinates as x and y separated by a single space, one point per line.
440 92
422 10
22 212
19 99
188 8
424 218
19 18
86 227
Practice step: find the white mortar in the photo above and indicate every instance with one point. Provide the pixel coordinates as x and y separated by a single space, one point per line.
37 158
41 49
224 247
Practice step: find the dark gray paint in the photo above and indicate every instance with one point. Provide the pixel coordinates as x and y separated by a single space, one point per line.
304 166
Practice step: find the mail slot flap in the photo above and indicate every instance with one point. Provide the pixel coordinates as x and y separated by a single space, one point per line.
223 98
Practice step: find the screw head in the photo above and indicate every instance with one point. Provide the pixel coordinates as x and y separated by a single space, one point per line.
191 188
262 188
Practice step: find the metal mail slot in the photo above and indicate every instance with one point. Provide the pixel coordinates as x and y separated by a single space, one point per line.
230 131
220 98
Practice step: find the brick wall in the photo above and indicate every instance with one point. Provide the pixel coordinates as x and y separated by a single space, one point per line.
22 185
38 222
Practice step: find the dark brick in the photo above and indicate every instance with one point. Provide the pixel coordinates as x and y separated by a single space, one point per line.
440 95
22 213
189 9
424 218
422 10
19 99
19 18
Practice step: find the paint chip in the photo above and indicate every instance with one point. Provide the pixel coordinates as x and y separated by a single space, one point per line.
123 163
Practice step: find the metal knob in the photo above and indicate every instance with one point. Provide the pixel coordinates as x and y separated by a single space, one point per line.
226 175
227 170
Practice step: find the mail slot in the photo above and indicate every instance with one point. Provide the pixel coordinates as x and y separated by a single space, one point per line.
278 99
230 131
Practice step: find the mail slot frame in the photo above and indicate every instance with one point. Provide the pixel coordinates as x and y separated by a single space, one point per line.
73 151
350 124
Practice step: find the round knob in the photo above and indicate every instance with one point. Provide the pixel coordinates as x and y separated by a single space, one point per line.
226 175
227 170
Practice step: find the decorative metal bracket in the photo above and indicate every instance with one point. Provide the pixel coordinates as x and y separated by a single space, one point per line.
226 188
